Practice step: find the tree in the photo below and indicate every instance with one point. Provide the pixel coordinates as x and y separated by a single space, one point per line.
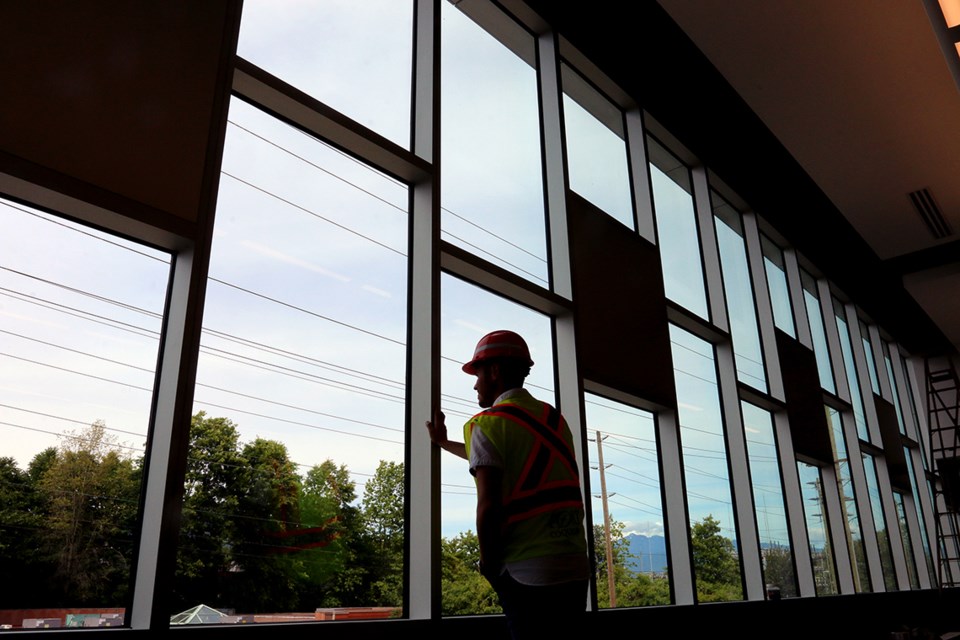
23 569
632 589
383 519
464 590
778 570
267 573
208 527
715 563
92 492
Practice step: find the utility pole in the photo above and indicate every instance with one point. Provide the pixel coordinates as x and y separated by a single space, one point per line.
611 588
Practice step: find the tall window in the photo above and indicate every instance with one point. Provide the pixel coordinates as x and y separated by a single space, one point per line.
738 288
815 318
776 270
492 189
888 366
880 523
467 314
355 58
905 536
871 361
822 554
630 548
81 312
596 147
294 491
771 510
852 527
713 528
677 234
915 489
850 367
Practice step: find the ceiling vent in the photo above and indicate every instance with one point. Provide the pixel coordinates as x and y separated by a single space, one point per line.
927 207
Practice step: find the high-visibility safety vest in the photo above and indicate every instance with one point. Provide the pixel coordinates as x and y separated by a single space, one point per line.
542 500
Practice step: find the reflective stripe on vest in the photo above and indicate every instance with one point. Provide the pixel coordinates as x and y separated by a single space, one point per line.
534 493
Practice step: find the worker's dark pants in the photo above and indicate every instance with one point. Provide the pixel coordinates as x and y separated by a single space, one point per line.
542 611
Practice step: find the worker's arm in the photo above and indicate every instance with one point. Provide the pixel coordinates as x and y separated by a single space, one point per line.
438 434
490 519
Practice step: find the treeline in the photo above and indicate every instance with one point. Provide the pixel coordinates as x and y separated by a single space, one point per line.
256 535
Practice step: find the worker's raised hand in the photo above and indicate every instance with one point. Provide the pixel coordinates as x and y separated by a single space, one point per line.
438 434
438 428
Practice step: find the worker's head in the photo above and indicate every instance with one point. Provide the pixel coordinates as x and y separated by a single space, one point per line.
501 361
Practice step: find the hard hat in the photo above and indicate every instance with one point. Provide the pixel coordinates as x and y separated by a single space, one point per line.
499 344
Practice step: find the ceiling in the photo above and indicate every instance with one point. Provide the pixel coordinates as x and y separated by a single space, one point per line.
861 93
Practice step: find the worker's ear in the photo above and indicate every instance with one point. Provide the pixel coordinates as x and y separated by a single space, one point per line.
493 371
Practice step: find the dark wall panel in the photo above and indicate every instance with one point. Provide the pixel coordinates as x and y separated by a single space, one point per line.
622 335
804 396
115 94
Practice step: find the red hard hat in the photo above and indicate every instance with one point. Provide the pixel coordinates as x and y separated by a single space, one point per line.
499 344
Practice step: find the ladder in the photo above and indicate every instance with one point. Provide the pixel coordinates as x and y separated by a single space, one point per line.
943 406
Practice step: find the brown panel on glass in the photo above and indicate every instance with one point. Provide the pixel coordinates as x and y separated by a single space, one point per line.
117 95
804 396
623 340
892 444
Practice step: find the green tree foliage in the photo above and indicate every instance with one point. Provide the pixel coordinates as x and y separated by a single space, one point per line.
208 527
778 570
383 520
464 590
92 496
22 567
715 563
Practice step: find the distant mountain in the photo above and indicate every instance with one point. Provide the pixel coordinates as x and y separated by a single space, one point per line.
650 553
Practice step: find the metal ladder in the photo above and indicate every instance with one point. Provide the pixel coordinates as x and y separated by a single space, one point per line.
943 406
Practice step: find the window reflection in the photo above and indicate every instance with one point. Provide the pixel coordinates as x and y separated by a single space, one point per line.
771 510
888 366
871 361
677 233
627 508
81 312
818 530
706 470
294 492
492 189
738 288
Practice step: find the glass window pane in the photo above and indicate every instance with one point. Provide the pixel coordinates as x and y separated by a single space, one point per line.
467 314
706 469
850 367
888 365
492 189
815 319
907 540
294 489
853 530
81 312
356 58
677 234
738 288
776 270
880 523
915 489
871 362
768 500
818 530
625 480
596 150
